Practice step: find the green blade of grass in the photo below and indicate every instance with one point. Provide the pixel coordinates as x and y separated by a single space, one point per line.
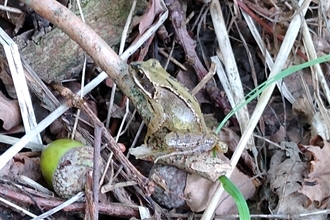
233 191
259 89
228 185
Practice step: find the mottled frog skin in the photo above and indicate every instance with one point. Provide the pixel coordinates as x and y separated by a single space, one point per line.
177 125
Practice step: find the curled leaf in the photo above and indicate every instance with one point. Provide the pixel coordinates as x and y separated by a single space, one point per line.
9 112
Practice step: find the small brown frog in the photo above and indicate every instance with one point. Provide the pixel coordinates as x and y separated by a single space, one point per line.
177 125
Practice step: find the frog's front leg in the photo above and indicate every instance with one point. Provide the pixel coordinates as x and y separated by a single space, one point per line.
156 122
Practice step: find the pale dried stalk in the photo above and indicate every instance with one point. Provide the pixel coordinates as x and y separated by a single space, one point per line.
236 89
113 66
121 49
68 202
12 151
269 61
262 102
21 88
318 79
17 207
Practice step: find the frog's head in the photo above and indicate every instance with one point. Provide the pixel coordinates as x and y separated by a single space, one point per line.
140 74
147 75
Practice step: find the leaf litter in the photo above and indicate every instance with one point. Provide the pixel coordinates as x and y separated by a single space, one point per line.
291 179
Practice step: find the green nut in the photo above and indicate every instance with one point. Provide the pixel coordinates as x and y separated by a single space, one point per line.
64 165
51 156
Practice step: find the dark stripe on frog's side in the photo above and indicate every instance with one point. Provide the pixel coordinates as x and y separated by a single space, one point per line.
172 88
151 106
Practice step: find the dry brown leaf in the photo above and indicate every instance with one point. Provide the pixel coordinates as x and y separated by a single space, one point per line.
6 79
200 191
109 82
232 139
317 184
303 108
326 8
285 176
153 10
26 166
9 112
288 178
6 170
279 135
294 82
189 80
283 167
318 127
321 44
295 204
15 130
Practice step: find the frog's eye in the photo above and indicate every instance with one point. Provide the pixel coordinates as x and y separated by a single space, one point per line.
141 74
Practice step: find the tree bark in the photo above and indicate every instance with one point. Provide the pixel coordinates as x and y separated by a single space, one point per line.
56 57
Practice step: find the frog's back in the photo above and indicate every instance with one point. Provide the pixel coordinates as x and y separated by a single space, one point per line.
181 106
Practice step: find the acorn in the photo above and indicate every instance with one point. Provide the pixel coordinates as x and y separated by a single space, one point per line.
170 183
64 164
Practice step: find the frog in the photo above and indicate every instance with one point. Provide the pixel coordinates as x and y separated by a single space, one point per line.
177 125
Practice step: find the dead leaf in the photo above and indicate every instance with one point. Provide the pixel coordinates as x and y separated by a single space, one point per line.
15 130
9 112
303 108
154 8
26 166
326 8
189 80
295 204
109 82
294 82
288 178
321 44
17 19
232 139
6 78
199 192
317 184
285 176
286 167
318 127
6 170
279 135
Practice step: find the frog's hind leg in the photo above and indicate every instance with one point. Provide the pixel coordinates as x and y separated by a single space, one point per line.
144 152
176 153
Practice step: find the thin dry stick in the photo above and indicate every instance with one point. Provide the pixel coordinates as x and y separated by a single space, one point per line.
96 166
263 100
231 67
132 172
48 203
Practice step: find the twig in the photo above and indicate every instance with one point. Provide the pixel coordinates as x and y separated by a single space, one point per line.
263 100
188 44
133 173
49 203
96 166
230 65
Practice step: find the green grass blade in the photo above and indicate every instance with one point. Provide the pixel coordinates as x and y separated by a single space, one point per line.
233 191
228 185
259 89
